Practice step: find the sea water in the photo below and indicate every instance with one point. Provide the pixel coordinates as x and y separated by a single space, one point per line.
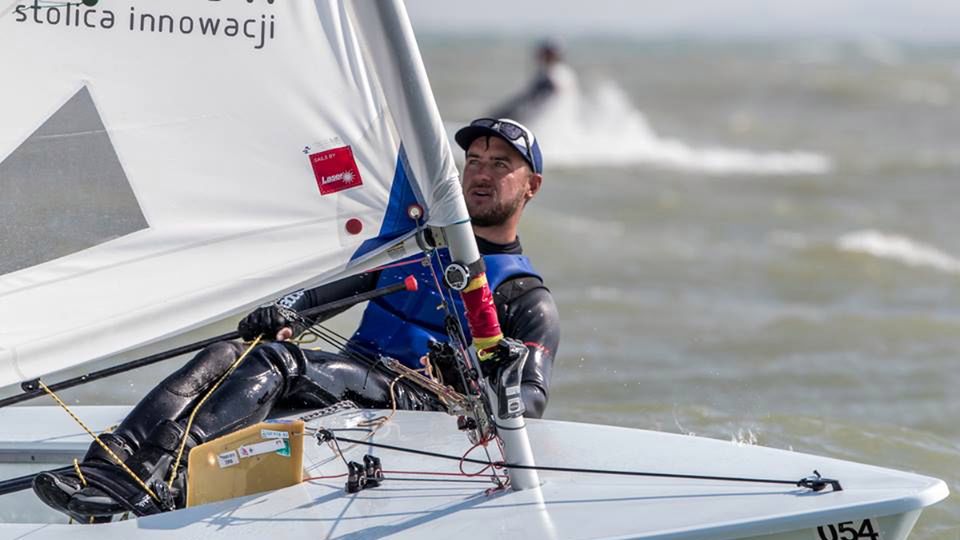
754 242
749 241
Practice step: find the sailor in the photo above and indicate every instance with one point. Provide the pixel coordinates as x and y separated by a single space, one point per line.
502 173
553 78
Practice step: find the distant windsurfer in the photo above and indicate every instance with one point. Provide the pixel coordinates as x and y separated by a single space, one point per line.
553 78
502 173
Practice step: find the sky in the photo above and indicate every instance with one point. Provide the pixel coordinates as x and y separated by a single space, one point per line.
906 20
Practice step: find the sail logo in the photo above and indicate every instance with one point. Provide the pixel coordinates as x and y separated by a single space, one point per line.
346 177
335 170
259 31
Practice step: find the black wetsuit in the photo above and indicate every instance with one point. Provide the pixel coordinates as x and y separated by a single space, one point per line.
274 375
282 375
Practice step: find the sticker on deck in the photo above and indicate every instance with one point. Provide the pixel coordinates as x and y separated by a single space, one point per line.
263 447
228 459
273 434
335 170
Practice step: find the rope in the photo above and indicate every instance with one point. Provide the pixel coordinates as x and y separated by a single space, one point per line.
373 425
463 459
186 430
101 443
334 445
76 468
482 442
449 306
411 473
315 331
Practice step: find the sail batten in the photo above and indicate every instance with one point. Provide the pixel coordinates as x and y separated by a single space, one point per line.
259 163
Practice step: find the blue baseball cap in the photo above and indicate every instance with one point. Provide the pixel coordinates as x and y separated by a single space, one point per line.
509 130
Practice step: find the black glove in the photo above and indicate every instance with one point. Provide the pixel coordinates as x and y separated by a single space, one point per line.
446 362
503 355
504 368
268 320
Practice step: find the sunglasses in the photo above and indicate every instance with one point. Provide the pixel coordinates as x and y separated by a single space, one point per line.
509 130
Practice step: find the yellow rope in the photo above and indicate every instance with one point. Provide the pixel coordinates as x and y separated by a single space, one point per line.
186 430
306 337
428 370
378 422
101 443
374 423
76 467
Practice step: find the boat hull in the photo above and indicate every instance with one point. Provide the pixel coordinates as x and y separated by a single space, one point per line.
415 501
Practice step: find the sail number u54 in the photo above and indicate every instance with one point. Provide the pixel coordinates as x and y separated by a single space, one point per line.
848 530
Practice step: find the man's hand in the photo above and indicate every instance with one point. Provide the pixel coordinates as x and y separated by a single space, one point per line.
505 353
270 321
503 365
445 364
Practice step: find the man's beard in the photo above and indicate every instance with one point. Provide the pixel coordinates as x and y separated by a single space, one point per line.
499 214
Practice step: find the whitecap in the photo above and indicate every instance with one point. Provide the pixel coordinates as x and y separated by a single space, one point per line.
898 248
599 126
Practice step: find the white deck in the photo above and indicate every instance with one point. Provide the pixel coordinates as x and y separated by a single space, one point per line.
567 506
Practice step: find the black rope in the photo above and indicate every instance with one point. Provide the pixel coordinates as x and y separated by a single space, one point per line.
815 482
359 353
338 342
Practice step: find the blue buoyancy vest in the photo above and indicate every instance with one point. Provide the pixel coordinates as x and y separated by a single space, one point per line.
401 324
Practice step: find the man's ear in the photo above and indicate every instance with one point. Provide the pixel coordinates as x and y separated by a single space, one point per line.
533 185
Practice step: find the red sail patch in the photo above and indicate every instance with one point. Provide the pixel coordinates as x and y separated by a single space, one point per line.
335 170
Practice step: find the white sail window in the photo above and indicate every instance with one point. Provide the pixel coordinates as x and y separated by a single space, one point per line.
64 190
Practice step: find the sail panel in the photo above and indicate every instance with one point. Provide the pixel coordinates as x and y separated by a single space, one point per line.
427 146
260 140
76 200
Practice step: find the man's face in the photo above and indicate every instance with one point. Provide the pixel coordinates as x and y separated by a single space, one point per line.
496 181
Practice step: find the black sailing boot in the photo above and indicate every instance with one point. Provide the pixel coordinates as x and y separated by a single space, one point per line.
109 487
55 488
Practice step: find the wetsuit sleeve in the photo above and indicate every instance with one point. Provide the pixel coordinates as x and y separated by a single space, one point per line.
532 318
337 290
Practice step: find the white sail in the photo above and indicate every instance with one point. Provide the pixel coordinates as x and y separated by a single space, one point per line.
166 163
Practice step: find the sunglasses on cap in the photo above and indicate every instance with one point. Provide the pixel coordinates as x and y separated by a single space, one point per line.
509 130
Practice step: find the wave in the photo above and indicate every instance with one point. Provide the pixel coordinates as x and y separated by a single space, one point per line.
601 127
878 244
898 248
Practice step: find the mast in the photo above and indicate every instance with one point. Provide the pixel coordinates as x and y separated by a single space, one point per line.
434 155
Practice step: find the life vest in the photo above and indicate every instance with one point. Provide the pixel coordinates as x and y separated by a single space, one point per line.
401 324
